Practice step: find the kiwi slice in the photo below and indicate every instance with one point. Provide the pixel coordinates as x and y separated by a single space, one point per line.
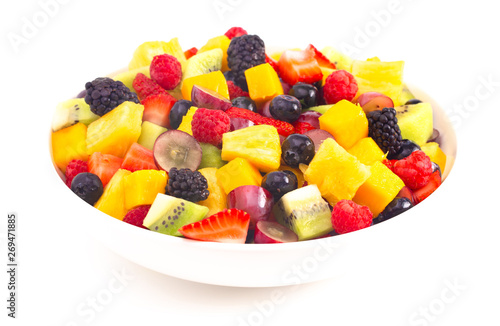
203 63
175 148
211 157
415 122
304 212
72 111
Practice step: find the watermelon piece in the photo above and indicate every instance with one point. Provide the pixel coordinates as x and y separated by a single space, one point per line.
104 166
138 158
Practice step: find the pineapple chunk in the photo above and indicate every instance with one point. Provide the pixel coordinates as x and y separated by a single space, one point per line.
141 187
112 201
145 53
186 121
263 83
217 199
69 144
238 172
214 81
367 151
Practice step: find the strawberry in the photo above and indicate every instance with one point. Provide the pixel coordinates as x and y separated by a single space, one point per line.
228 226
104 166
235 91
235 32
299 66
189 53
157 109
424 192
145 86
320 57
302 127
138 158
272 62
284 128
389 163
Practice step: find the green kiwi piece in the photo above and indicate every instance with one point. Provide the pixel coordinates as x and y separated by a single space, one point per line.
72 111
211 157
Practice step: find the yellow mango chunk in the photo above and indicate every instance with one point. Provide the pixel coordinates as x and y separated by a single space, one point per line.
367 151
214 80
436 154
263 83
238 172
186 121
112 201
141 187
69 144
217 199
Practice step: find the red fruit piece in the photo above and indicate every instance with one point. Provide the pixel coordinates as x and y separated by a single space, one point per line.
299 66
339 85
228 226
189 53
145 86
302 127
235 32
273 63
157 109
284 128
320 57
424 192
273 232
389 163
138 158
166 70
75 167
104 166
208 126
235 91
415 170
406 192
136 216
347 216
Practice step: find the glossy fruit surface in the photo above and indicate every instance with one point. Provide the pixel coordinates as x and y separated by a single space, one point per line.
297 149
278 183
285 108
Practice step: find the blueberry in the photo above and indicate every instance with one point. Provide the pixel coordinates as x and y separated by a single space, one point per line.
297 149
407 147
397 206
413 101
87 186
285 108
305 93
279 183
178 111
245 103
435 167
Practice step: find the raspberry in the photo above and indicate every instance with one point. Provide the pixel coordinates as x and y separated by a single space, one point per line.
302 127
347 216
136 216
389 163
340 85
145 86
166 70
235 91
235 32
415 170
208 126
74 168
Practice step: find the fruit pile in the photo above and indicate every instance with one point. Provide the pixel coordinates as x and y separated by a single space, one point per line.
229 143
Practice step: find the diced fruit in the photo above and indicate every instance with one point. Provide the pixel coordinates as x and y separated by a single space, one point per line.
209 126
211 157
367 151
236 173
318 136
186 121
167 214
285 108
69 144
104 166
273 232
406 95
260 145
239 123
298 174
136 216
323 61
166 70
138 158
407 193
87 186
116 131
177 149
414 170
187 184
214 81
304 212
145 53
372 101
191 52
149 133
297 149
407 147
306 94
203 97
127 77
217 200
397 206
141 187
340 85
255 200
311 117
235 91
201 64
157 109
284 128
145 86
383 128
228 226
263 83
218 42
74 168
302 127
422 193
347 216
112 201
178 111
341 61
415 122
235 32
346 122
320 108
299 66
435 154
72 111
337 173
381 77
379 189
279 183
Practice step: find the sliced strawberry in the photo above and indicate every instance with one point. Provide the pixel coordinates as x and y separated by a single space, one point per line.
138 158
145 86
104 166
299 66
406 192
424 192
157 109
235 91
189 53
302 127
284 128
272 62
320 57
228 226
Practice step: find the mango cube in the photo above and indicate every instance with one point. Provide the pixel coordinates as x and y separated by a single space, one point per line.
69 144
186 121
238 172
436 154
214 80
141 187
263 83
379 189
217 199
112 201
346 121
367 151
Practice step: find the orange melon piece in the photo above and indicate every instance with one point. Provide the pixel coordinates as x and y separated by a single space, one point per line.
69 144
263 83
379 189
238 172
367 151
217 199
112 201
219 42
214 80
141 187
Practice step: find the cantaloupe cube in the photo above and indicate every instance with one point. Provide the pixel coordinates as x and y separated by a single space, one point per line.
263 83
214 80
141 187
217 199
367 151
379 189
238 172
346 121
69 144
112 201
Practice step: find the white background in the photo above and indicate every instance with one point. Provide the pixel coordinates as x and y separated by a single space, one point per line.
449 47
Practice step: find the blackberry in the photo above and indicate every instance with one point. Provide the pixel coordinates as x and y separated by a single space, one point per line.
104 94
187 185
245 52
383 128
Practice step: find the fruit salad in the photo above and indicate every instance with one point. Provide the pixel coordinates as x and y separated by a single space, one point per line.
232 143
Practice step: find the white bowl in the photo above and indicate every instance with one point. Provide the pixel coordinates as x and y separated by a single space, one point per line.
265 265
